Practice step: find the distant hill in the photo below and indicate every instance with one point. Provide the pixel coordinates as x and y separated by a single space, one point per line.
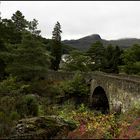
85 42
47 43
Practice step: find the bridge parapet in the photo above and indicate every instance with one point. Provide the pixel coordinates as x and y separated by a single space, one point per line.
64 74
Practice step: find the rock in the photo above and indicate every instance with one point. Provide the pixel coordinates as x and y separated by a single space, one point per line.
117 108
42 127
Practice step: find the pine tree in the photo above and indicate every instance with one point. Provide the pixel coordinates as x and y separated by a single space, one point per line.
116 59
28 60
19 21
109 59
96 52
56 32
56 49
9 32
32 25
112 59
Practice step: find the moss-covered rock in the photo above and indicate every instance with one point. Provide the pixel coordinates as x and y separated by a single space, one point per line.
42 127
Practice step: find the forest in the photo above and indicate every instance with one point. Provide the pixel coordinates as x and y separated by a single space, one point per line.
27 98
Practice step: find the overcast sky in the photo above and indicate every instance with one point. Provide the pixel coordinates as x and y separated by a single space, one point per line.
109 19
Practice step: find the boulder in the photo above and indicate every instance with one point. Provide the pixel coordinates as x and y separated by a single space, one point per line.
45 127
117 107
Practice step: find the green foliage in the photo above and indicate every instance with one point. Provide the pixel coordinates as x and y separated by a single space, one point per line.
56 47
112 59
5 125
106 59
132 54
56 32
131 58
19 21
135 109
76 87
82 108
41 110
9 85
56 52
2 63
55 91
77 61
26 56
132 68
14 115
97 52
109 52
29 60
8 115
27 106
9 33
33 27
43 88
7 104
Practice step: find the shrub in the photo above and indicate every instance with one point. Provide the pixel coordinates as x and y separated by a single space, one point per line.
27 106
45 88
12 86
8 85
5 125
133 68
14 115
82 108
7 104
41 110
77 86
135 109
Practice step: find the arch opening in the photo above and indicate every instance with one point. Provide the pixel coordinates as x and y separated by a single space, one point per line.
100 100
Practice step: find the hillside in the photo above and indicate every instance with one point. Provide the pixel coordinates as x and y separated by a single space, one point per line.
85 42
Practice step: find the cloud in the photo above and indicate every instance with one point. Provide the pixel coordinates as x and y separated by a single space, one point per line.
110 19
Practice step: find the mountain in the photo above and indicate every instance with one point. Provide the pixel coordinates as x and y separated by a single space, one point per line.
85 42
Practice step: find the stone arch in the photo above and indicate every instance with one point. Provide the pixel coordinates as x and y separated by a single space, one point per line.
100 100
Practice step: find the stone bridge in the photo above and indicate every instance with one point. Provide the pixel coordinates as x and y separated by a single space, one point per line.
113 89
106 90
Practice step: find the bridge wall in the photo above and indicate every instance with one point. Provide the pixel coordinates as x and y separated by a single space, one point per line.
126 91
59 76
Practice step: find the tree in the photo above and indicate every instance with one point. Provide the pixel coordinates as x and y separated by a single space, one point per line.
108 61
96 52
76 61
28 60
117 59
56 32
9 32
19 21
131 58
2 58
112 59
56 49
33 27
